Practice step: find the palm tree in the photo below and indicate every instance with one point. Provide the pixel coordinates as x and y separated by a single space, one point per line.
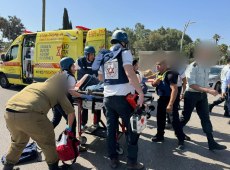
216 37
43 15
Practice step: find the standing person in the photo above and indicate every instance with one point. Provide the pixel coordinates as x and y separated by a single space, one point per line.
197 89
222 98
140 77
225 90
26 117
120 80
67 65
166 87
84 66
178 65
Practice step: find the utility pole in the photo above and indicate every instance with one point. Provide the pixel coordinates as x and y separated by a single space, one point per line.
43 15
182 37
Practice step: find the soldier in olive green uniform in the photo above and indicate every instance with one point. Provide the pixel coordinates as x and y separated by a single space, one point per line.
26 116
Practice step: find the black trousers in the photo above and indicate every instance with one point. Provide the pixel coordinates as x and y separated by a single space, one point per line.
219 101
200 101
117 106
174 117
176 104
58 112
85 116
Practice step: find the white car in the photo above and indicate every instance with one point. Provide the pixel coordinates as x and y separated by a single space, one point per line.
214 77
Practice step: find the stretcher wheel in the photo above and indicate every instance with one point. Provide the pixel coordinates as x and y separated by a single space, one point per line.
82 140
120 150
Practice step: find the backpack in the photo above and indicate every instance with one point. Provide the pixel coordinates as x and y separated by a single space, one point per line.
29 153
106 55
67 147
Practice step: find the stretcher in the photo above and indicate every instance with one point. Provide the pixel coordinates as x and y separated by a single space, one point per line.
97 104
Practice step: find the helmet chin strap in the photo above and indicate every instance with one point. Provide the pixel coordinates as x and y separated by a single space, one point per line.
124 45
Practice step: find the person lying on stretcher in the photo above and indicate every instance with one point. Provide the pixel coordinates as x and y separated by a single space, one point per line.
87 82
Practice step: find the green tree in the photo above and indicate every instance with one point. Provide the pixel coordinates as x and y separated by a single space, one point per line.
216 38
166 39
12 28
70 25
65 23
223 48
3 23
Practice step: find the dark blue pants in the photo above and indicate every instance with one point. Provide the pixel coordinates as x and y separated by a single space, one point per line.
84 118
58 112
117 106
200 101
162 104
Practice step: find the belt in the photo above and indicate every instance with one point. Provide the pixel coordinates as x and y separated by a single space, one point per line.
13 111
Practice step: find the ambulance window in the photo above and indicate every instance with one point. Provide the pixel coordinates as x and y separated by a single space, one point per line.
12 54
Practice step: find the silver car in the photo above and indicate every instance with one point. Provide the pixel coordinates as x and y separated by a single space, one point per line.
214 77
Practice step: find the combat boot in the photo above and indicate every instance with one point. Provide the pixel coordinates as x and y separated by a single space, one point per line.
8 167
54 166
135 166
212 144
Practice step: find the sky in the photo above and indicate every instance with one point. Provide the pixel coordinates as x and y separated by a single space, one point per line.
210 16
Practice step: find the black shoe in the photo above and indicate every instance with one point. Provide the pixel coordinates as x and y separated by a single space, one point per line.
157 138
180 145
54 166
8 167
82 148
187 138
216 146
135 166
114 163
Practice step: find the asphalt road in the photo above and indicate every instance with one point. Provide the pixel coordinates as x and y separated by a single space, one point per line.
162 156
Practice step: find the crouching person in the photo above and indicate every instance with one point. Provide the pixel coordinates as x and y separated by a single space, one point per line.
26 117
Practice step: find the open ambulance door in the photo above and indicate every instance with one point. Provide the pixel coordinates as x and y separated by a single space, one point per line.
97 38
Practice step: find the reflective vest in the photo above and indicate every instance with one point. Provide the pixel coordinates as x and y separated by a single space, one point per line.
113 71
85 68
163 88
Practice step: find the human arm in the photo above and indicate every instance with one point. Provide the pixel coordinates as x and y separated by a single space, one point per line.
156 81
184 82
131 75
193 84
68 108
172 78
174 91
133 80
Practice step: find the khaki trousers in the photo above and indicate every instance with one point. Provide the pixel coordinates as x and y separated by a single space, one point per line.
22 126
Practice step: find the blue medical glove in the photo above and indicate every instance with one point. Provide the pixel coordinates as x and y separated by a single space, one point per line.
87 97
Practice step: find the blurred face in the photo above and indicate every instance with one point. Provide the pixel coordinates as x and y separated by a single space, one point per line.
73 68
206 55
161 66
91 57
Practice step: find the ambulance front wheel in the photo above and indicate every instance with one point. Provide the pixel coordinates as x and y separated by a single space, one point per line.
4 81
83 140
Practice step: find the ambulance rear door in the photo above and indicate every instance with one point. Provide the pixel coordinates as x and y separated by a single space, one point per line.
97 38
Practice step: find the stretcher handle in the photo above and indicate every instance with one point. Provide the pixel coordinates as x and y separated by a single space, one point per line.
91 93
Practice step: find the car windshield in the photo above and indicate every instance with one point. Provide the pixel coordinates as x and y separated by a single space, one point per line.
215 70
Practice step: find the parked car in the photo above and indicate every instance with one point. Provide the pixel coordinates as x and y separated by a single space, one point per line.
214 77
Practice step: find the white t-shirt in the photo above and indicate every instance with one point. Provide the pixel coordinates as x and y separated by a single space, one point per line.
121 89
224 72
71 81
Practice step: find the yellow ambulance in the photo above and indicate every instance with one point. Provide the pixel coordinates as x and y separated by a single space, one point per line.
34 57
